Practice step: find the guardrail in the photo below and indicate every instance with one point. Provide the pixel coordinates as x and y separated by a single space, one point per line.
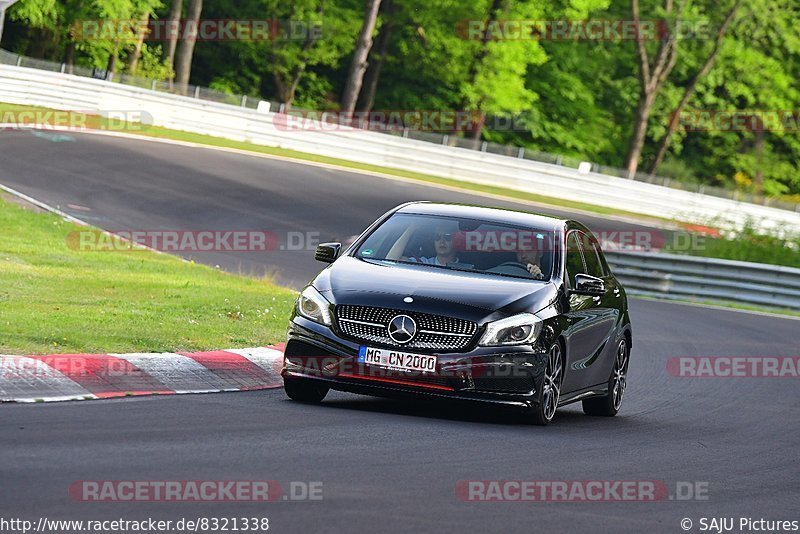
680 277
25 86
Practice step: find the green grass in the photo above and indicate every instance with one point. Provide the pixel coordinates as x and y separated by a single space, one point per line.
201 139
751 246
54 299
722 304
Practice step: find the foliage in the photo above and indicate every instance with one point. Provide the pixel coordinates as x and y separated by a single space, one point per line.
575 97
752 245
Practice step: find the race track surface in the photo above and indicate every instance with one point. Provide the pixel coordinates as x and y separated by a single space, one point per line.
123 184
385 465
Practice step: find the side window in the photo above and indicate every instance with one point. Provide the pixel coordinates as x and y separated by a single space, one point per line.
594 266
603 264
574 259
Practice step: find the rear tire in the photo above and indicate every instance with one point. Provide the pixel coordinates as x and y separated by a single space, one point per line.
301 390
550 390
609 405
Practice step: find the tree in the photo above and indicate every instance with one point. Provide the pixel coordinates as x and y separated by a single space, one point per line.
183 63
56 20
651 76
496 80
287 76
136 52
758 71
173 22
366 99
358 66
691 86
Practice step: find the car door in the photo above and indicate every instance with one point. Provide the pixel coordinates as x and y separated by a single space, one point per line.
590 319
606 309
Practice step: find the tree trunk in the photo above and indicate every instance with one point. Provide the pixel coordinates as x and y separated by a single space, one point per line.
636 144
497 8
367 97
359 64
478 130
651 80
173 20
758 148
690 89
2 21
287 87
111 66
69 56
136 53
183 57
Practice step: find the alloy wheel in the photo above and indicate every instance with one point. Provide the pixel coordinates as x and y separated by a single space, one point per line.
551 389
618 376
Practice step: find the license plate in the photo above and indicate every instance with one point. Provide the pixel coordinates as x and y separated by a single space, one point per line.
393 359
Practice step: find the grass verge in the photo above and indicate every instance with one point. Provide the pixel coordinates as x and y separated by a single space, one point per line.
54 299
723 304
750 245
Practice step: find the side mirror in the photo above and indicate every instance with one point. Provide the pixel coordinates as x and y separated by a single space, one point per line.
588 285
327 252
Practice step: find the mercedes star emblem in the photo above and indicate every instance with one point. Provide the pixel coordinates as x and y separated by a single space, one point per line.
402 329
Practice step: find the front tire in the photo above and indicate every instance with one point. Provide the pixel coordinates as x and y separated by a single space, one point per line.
302 390
609 405
550 390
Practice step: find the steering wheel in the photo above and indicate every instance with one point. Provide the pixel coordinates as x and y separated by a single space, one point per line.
514 265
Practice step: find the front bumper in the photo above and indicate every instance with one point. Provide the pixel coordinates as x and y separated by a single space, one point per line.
495 375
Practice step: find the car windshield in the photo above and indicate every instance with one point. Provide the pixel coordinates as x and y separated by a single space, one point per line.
463 245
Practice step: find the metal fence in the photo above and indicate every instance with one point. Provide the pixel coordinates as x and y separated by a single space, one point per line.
252 102
681 277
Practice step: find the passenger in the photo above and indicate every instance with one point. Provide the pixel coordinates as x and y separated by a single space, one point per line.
443 246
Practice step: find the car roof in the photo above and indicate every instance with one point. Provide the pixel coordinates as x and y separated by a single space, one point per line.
497 215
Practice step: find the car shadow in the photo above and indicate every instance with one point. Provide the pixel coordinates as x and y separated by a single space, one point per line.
459 411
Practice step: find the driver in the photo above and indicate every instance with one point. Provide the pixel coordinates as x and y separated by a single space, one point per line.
531 261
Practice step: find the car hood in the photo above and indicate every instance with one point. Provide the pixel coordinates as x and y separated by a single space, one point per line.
471 296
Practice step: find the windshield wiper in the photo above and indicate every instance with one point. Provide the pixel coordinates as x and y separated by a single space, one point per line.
452 268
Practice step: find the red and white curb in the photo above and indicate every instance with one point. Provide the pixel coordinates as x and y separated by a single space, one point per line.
58 377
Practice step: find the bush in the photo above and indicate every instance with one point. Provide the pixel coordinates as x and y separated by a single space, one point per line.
751 244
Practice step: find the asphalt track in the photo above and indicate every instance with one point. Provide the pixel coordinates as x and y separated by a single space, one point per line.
386 466
122 184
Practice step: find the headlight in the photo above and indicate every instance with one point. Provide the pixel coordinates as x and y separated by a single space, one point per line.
522 329
312 305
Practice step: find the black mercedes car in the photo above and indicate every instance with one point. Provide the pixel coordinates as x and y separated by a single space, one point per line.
468 303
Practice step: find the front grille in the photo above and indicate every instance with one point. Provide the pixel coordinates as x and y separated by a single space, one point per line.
434 332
